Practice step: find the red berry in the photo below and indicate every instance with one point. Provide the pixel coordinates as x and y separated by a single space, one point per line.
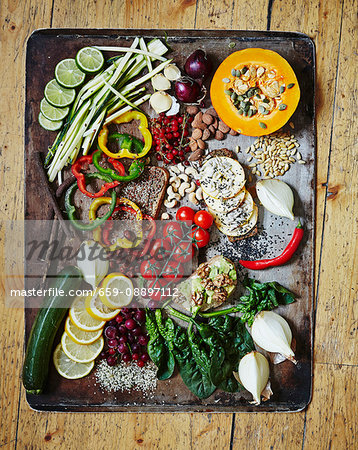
119 318
145 357
130 324
186 163
140 363
190 119
182 158
175 151
187 149
126 357
180 119
169 136
185 133
135 356
159 158
170 156
112 361
181 153
176 134
112 351
166 121
142 340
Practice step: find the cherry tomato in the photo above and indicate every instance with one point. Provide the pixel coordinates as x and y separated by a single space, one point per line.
173 270
203 219
185 213
200 237
160 249
150 269
184 252
173 232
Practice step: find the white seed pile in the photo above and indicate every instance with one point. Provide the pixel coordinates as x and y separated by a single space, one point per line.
126 376
274 154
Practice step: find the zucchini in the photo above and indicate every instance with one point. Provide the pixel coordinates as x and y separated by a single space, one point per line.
44 329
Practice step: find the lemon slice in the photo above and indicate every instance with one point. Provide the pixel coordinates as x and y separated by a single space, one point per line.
81 353
80 317
116 290
98 310
80 336
68 368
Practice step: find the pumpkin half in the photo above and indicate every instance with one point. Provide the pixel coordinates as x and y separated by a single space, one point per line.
255 91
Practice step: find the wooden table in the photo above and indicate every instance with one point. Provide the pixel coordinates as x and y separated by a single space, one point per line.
331 419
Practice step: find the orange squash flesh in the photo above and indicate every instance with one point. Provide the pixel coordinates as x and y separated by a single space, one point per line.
250 126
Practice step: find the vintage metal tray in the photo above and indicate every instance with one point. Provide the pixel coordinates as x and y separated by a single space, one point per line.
291 384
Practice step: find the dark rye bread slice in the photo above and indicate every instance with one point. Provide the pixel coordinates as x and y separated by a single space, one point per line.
147 191
219 152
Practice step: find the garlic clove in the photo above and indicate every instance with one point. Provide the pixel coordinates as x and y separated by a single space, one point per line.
93 262
272 333
174 109
172 72
160 101
160 82
276 196
253 373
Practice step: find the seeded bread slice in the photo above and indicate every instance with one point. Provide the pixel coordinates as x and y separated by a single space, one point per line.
147 191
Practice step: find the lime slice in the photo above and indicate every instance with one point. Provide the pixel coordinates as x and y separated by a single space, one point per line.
89 59
49 124
68 74
51 112
68 368
57 95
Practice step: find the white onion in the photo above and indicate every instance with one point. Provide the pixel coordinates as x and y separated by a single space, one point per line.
276 196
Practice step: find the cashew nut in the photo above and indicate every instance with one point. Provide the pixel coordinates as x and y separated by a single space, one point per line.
180 167
183 188
172 194
191 188
165 216
192 198
175 169
170 203
184 177
199 193
191 171
176 184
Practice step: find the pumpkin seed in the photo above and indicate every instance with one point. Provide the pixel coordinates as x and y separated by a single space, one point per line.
261 109
232 44
264 113
249 114
282 107
250 92
282 89
258 95
233 72
245 113
266 100
254 111
233 96
227 92
247 107
290 86
226 80
240 111
238 72
244 70
262 125
240 97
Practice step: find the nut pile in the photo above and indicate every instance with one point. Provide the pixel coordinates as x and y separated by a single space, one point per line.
183 181
274 154
205 126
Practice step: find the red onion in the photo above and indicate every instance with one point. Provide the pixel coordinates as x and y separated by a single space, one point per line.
198 65
187 90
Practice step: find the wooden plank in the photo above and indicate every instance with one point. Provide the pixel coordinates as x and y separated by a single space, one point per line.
332 419
229 15
15 28
337 302
134 14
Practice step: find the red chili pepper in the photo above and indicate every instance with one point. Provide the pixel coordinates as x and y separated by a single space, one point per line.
285 256
83 163
150 235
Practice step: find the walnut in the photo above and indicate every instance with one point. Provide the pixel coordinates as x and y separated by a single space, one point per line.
220 295
198 298
203 271
222 279
208 284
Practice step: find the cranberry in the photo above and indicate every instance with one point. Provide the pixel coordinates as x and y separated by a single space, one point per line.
119 318
140 363
111 332
130 324
126 357
175 152
123 339
145 357
140 316
131 338
137 331
111 360
135 356
112 351
142 340
180 119
122 348
166 121
112 323
176 134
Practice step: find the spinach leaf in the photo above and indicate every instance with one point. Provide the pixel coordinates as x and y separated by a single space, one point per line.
194 375
262 296
158 348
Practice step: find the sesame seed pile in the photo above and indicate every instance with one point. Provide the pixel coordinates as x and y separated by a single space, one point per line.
126 376
274 154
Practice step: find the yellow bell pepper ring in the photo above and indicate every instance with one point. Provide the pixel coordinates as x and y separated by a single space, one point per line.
125 153
121 242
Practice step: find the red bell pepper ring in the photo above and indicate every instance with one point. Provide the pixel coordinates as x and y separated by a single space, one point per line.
109 224
82 164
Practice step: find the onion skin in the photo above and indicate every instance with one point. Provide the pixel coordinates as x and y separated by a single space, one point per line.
198 65
187 90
